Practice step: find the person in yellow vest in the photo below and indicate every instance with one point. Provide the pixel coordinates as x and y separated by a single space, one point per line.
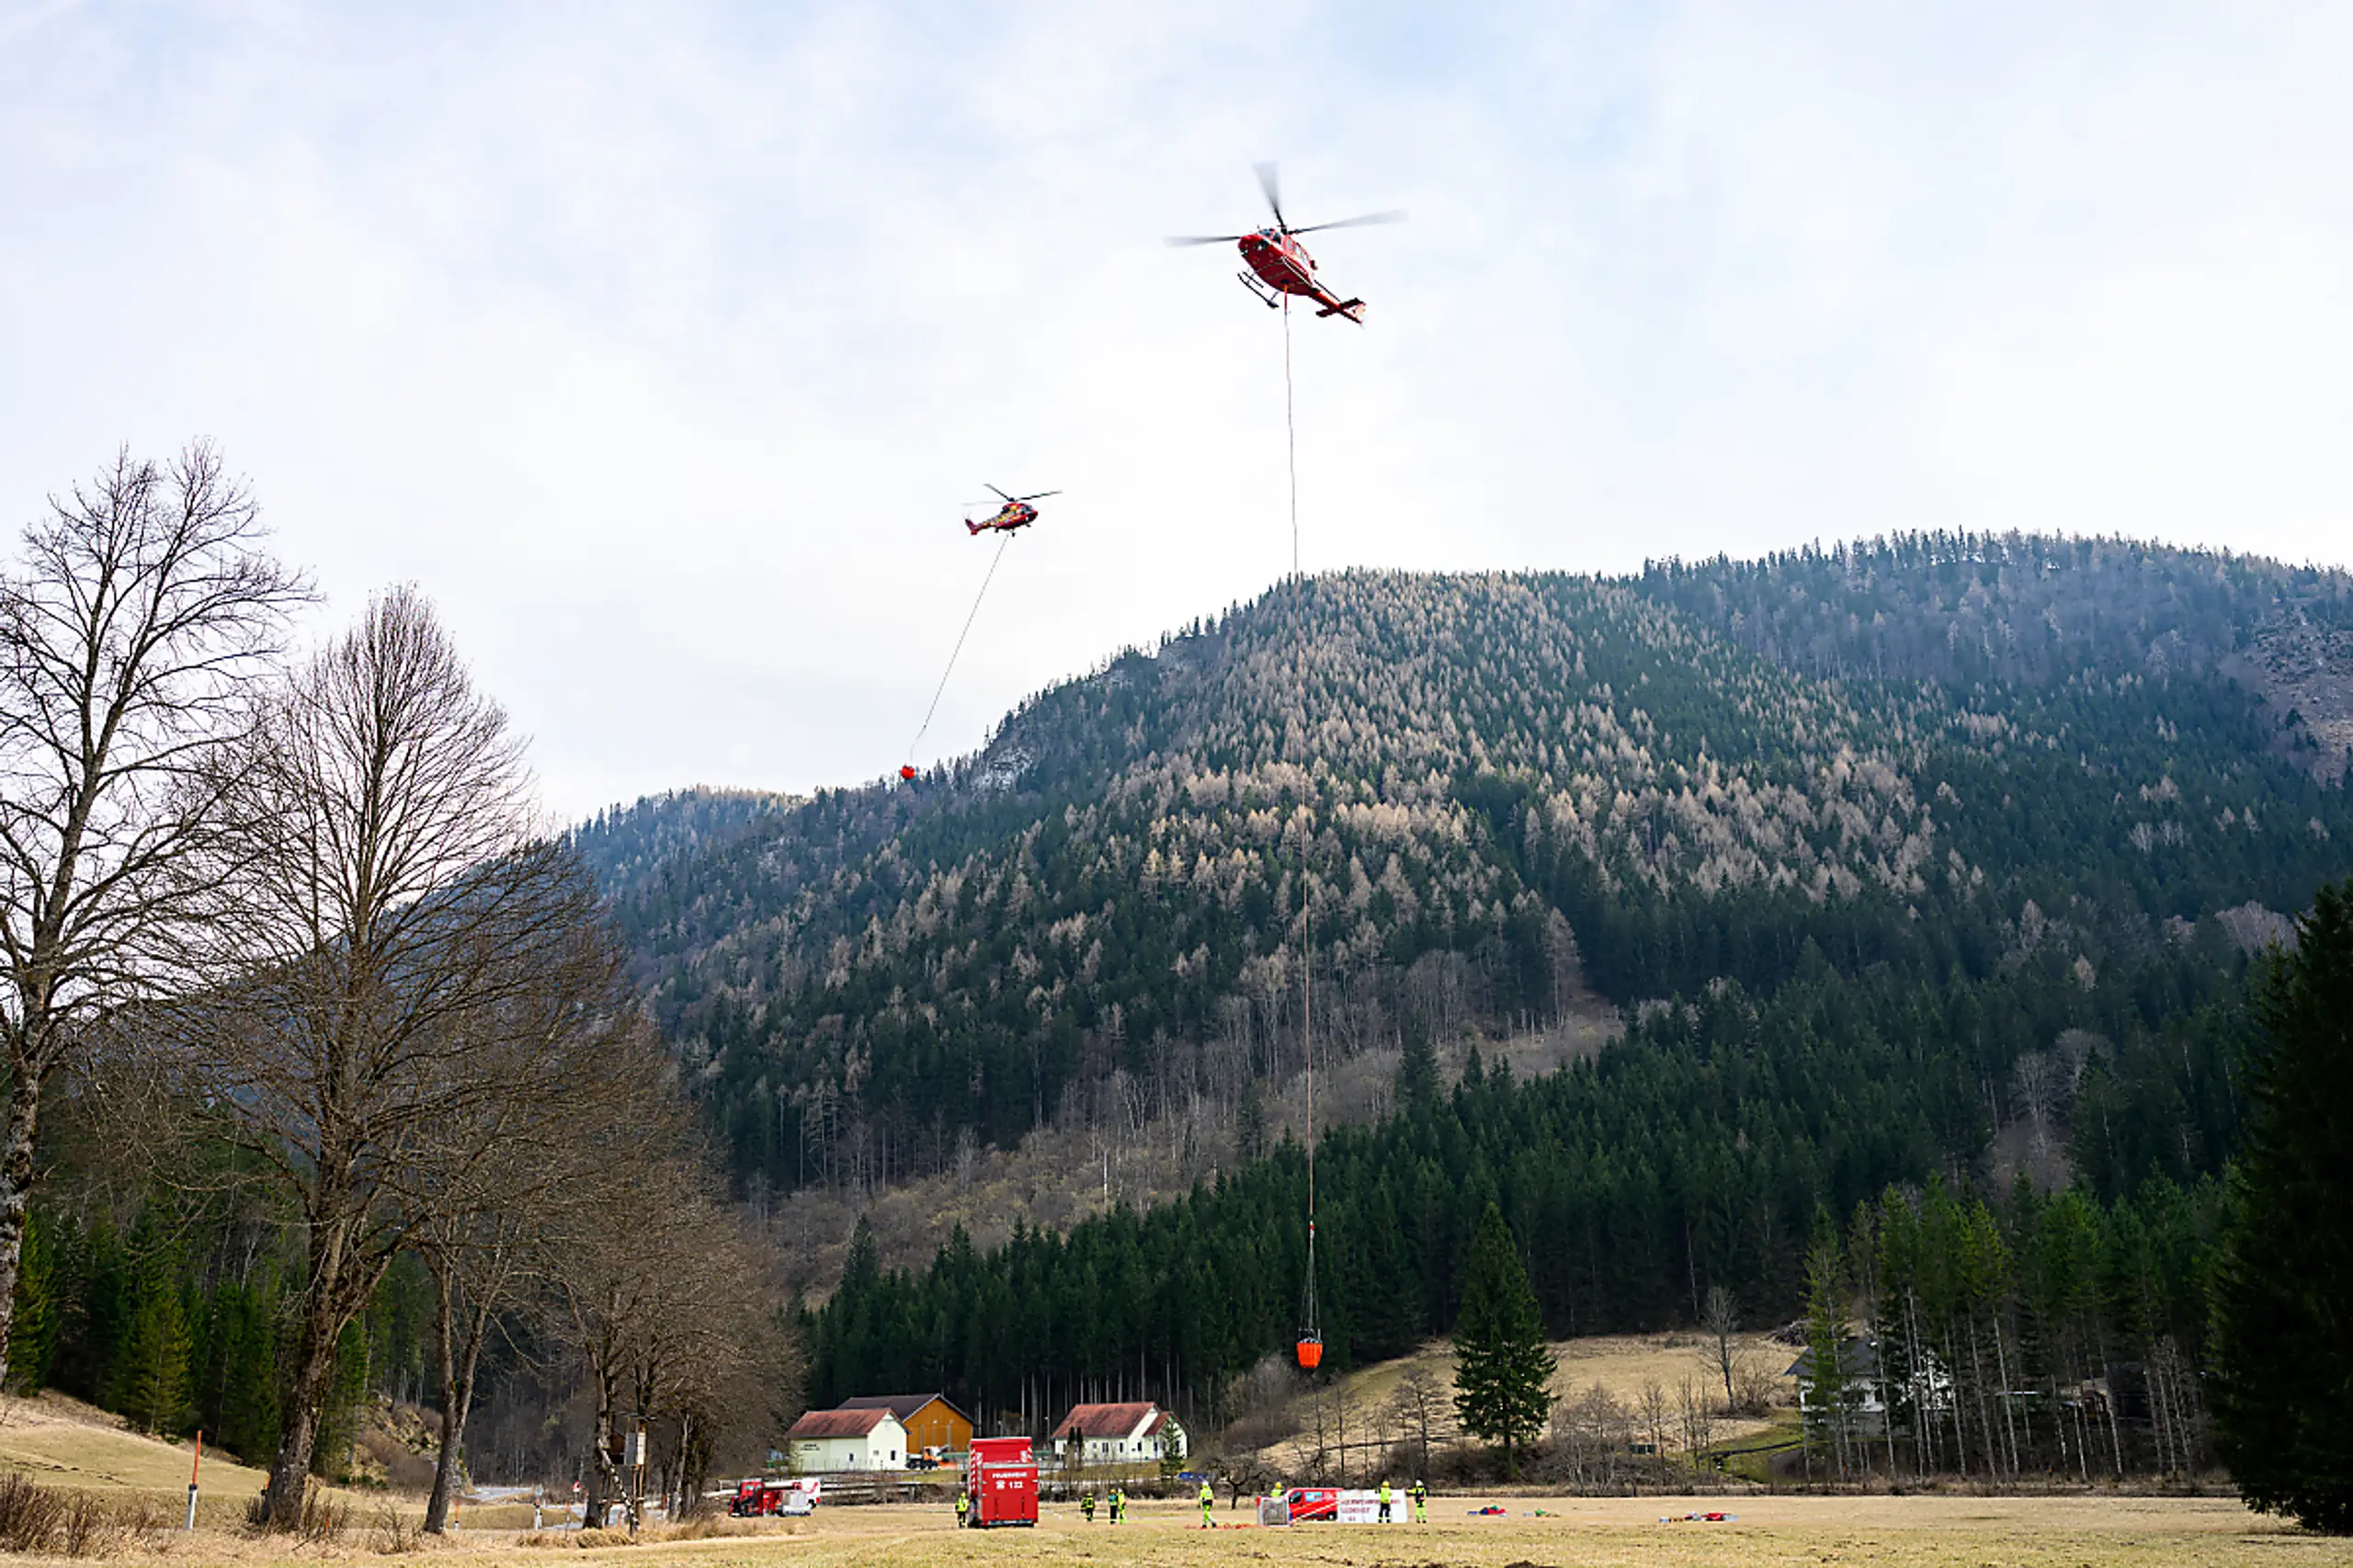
1209 1502
1421 1501
1384 1499
1118 1505
963 1506
1086 1504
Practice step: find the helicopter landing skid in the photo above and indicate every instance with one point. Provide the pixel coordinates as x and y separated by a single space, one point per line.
1266 296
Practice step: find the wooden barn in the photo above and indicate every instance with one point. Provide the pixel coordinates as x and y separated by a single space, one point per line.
931 1422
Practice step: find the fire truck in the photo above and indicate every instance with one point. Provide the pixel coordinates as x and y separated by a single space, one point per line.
1002 1476
757 1498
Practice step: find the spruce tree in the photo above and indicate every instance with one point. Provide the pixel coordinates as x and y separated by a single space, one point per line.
1826 1332
1502 1373
151 1382
2283 1297
33 1338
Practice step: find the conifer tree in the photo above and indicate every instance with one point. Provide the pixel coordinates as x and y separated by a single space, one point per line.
152 1383
2284 1297
1826 1331
33 1337
1502 1373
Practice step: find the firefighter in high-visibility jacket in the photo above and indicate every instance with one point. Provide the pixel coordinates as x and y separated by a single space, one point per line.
1384 1499
963 1506
1421 1501
1209 1502
1086 1504
1118 1505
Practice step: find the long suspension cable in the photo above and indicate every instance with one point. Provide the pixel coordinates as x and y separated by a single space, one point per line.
1306 831
975 615
1291 437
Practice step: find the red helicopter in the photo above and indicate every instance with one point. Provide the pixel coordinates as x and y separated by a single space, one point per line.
1017 512
1280 262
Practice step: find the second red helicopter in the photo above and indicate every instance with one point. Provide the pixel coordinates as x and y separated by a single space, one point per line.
1017 512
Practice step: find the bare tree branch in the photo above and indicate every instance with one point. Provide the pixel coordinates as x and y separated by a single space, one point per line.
140 609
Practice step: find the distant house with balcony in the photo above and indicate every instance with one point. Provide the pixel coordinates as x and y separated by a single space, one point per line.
1139 1433
1863 1389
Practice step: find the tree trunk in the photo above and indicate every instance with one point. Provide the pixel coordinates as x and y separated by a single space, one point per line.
306 1398
593 1496
459 1363
328 1304
16 1193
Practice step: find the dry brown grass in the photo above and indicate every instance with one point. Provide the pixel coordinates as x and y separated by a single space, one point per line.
1622 1364
63 1442
1767 1533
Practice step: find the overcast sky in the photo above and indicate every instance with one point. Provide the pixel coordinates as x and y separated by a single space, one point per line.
665 345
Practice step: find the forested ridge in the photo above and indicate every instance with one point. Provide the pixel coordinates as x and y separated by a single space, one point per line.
1929 865
1501 783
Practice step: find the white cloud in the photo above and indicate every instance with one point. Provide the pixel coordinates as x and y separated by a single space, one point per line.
664 351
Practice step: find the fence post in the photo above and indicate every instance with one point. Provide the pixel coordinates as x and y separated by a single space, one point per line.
192 1470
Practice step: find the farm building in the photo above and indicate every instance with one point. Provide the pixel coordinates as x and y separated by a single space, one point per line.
931 1422
1864 1387
1118 1434
828 1440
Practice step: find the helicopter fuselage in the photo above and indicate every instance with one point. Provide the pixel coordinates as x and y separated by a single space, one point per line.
1011 516
1282 266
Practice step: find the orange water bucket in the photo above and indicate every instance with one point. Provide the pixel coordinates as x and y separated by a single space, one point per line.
1311 1354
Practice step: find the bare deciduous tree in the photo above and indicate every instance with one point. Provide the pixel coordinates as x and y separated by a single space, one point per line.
142 605
665 1301
1698 1422
1423 1405
1651 1405
1719 1320
395 915
588 1092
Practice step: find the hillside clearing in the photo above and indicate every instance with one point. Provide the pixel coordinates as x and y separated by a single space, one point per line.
1621 1365
60 1441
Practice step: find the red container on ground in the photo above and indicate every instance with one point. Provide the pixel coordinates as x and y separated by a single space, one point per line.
1001 1474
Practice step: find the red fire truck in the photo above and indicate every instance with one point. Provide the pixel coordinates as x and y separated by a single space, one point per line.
1002 1477
757 1497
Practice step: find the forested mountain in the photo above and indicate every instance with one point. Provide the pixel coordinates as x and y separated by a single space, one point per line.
1934 761
1927 866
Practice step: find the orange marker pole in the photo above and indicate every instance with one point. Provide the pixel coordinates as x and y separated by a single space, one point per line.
192 1470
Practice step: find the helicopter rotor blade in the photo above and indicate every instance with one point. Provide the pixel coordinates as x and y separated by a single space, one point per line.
1040 496
1204 239
1396 215
1272 186
999 492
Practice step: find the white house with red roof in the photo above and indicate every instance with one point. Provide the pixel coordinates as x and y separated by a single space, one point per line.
826 1441
1139 1433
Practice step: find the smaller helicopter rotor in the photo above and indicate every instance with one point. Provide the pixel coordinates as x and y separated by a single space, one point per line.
1181 240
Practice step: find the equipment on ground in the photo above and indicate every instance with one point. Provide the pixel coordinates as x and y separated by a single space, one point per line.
1002 1475
1314 1503
1281 264
761 1496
